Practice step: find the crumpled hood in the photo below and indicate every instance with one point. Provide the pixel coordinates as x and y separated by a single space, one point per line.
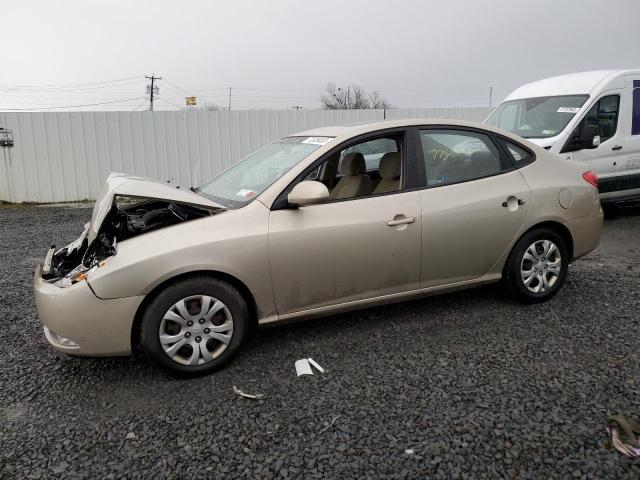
121 184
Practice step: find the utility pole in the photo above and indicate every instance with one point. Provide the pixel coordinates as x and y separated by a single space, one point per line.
297 107
229 98
153 90
490 95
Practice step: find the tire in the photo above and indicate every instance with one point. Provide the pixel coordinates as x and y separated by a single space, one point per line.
194 316
610 210
546 274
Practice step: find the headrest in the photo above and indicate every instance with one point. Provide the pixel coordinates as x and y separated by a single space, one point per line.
389 168
353 164
480 157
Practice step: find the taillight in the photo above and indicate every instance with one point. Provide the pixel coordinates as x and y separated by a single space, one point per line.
591 177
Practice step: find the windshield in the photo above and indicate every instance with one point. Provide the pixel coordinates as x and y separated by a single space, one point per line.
539 117
248 178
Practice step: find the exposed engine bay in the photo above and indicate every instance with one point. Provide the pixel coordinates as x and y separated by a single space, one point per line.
128 217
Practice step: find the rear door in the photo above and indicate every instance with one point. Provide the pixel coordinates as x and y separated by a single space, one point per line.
473 207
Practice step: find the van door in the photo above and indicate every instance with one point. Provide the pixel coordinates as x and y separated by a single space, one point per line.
610 113
628 183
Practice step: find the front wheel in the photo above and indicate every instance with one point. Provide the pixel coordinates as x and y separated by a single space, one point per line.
537 266
194 326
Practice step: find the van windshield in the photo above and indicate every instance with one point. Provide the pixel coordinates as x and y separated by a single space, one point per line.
539 117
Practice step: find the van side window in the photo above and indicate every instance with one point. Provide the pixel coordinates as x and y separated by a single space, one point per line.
604 114
635 118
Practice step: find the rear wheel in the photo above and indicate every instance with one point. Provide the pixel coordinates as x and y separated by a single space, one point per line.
194 326
537 266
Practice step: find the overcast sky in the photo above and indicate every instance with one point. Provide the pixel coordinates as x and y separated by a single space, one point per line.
281 53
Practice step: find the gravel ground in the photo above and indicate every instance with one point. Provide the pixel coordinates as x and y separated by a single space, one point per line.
475 385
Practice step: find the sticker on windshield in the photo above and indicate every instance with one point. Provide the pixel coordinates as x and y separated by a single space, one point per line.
548 132
317 140
568 109
245 193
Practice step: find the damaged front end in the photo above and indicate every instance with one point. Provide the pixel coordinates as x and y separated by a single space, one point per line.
118 216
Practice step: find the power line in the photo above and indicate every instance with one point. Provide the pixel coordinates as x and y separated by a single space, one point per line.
186 92
66 85
75 106
167 101
138 107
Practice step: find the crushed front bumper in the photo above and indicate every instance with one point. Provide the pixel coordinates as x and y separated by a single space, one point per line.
77 322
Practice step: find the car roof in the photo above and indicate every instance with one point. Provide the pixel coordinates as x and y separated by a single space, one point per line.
570 84
363 128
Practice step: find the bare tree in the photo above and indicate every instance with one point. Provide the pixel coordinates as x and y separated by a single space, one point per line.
378 101
206 106
351 97
210 107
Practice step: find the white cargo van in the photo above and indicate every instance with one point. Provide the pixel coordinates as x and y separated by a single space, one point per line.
590 117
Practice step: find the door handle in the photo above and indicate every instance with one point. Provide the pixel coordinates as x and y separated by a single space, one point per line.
520 203
616 147
401 221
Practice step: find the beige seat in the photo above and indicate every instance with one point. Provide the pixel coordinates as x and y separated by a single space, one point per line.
354 182
389 169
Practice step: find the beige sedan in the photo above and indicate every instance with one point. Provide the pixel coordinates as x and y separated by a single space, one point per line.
316 223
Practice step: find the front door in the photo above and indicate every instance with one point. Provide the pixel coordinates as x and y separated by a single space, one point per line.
362 243
342 251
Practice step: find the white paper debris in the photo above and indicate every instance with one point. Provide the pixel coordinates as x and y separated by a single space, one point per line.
303 367
409 451
240 393
327 426
315 365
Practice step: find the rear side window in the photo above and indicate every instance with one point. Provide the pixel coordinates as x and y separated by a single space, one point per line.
518 155
453 156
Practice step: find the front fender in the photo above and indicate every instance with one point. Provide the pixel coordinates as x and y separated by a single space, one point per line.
234 243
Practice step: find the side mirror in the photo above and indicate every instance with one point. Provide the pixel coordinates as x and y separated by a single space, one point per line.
589 137
308 192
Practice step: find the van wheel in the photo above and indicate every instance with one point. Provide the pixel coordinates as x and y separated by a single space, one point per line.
194 326
537 266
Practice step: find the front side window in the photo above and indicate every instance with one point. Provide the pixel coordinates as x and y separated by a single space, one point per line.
539 117
367 168
373 150
236 186
603 114
453 156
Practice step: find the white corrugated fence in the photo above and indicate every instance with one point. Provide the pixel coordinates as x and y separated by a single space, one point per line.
60 157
